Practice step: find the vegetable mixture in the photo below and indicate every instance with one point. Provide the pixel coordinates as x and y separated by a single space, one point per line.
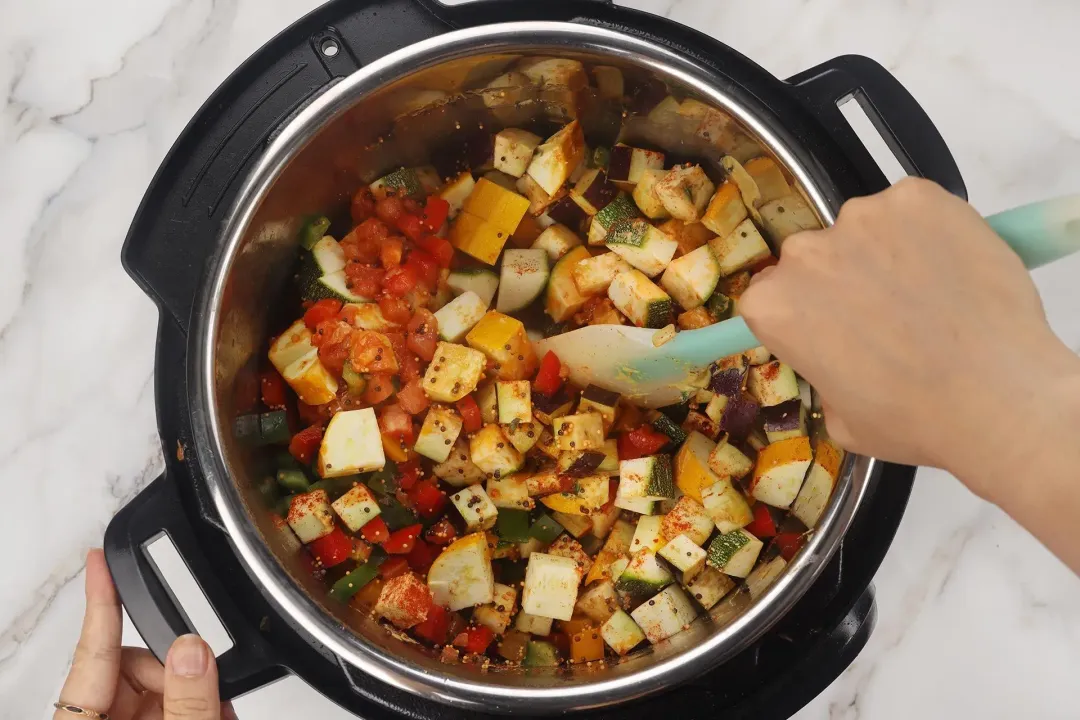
442 476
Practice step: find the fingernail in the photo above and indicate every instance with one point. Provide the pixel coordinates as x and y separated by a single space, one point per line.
227 712
188 657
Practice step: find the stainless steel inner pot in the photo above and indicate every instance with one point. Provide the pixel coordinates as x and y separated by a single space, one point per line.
314 164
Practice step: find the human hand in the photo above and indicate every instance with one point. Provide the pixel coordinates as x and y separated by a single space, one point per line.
129 683
920 328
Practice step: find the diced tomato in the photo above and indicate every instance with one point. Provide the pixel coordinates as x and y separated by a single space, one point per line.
412 398
363 205
375 531
427 499
789 544
334 340
441 533
478 638
273 389
390 252
246 389
305 444
410 225
412 369
423 334
392 567
364 280
402 541
411 206
471 420
408 473
437 626
400 280
438 248
424 267
395 310
370 354
763 525
548 378
332 549
390 209
323 310
362 243
421 556
436 210
640 442
380 386
311 414
397 423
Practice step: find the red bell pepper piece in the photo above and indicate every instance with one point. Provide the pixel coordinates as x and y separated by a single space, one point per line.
641 442
411 226
424 266
763 525
375 531
441 533
438 248
401 542
408 473
549 378
436 210
305 444
436 627
471 420
273 389
323 310
332 549
789 544
478 637
392 567
421 556
427 499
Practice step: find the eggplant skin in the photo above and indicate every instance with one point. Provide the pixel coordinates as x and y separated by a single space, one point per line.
585 464
601 396
728 381
619 162
550 403
783 417
739 415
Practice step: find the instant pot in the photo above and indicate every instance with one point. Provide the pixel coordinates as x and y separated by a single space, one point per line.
297 129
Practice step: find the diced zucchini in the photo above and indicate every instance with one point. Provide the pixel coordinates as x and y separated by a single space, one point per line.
599 602
523 278
310 516
511 492
493 453
742 248
458 469
773 383
593 191
593 275
688 517
311 380
642 578
627 164
648 534
761 577
328 256
786 216
459 316
734 553
487 398
551 586
618 567
617 545
352 444
556 240
496 614
475 508
709 586
692 278
540 654
461 575
728 462
558 157
407 182
726 506
584 431
514 150
514 400
648 477
313 230
644 246
786 420
669 612
567 547
779 471
726 210
662 423
523 436
333 285
645 196
456 191
533 624
642 506
685 556
619 210
576 525
356 507
685 192
563 298
440 431
502 339
621 633
453 373
814 496
481 281
641 300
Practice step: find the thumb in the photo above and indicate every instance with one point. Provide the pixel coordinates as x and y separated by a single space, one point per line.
191 681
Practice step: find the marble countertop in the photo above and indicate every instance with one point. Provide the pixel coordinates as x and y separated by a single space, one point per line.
976 618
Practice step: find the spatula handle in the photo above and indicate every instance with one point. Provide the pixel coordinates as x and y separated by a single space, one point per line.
1042 232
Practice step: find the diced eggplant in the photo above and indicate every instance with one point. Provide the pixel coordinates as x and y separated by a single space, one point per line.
580 463
786 420
628 163
742 248
514 150
594 191
644 246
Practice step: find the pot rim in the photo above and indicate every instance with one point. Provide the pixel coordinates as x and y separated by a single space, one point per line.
255 555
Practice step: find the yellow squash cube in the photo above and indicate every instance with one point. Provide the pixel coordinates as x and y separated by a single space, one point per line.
477 237
503 340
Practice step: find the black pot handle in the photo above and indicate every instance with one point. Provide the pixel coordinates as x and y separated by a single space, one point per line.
156 511
902 122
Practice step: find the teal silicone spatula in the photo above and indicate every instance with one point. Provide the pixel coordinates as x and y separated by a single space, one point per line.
625 360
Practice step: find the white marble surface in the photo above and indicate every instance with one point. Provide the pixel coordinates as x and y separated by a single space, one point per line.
976 619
